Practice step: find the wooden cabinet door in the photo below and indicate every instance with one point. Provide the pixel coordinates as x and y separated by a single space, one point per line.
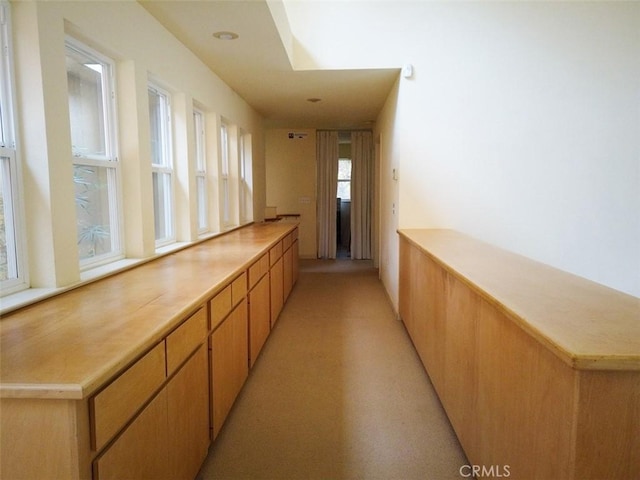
287 276
259 318
142 450
276 275
296 261
229 363
188 413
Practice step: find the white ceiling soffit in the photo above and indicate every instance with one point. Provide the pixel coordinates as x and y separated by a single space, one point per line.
257 65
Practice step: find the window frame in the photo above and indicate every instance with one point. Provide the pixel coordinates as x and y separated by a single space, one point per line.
345 180
13 205
202 194
245 170
110 159
166 167
225 195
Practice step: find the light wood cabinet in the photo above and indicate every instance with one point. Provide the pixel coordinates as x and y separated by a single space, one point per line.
287 273
142 451
258 269
188 413
276 276
229 363
125 388
220 306
259 318
537 369
169 438
185 339
296 258
112 408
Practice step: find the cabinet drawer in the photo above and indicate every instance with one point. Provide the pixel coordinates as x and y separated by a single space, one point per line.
112 408
258 270
238 289
220 306
286 242
185 339
275 253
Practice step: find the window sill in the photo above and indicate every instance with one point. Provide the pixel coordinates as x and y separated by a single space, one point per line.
26 297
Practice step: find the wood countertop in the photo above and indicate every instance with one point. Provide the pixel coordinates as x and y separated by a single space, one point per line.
68 346
587 325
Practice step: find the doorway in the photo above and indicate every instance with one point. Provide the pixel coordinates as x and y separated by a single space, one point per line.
343 200
345 193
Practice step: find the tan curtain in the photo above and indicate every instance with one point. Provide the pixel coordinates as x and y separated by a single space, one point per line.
361 193
327 177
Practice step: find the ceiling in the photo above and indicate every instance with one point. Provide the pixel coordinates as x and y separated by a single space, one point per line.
257 67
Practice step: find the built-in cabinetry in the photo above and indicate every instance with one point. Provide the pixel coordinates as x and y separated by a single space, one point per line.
134 376
538 370
177 425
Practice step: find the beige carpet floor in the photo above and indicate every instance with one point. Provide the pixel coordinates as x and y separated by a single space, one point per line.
338 392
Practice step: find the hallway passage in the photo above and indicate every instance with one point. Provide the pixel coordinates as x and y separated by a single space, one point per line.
338 392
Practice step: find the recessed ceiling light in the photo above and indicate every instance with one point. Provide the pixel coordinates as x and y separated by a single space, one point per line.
225 35
314 100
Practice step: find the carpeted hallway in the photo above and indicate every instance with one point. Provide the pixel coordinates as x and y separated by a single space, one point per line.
338 392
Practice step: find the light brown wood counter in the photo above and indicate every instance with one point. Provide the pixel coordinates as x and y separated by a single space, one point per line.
589 326
68 346
537 369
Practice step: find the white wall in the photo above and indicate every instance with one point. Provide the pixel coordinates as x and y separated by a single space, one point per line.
521 127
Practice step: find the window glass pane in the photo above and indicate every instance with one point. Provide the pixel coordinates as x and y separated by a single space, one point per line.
344 169
224 145
344 190
96 218
225 201
344 179
158 118
86 104
198 128
162 205
202 202
8 260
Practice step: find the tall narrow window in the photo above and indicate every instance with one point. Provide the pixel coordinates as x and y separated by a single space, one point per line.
246 196
201 172
95 162
344 179
224 174
161 165
13 270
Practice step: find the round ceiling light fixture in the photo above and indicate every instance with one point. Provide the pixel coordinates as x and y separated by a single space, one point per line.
225 35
